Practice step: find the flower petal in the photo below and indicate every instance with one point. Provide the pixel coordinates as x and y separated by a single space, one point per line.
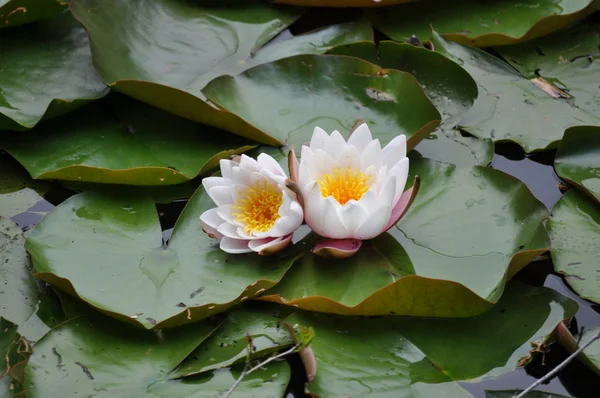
221 195
332 225
337 248
319 139
336 144
349 157
269 246
353 214
229 230
234 246
371 156
361 137
400 171
294 166
226 166
266 161
406 200
211 218
394 151
375 224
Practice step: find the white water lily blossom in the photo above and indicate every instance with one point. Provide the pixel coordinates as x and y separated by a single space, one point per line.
255 210
351 191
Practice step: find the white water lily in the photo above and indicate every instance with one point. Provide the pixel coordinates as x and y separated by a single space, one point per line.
255 210
352 191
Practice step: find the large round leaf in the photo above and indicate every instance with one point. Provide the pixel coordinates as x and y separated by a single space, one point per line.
19 12
18 192
421 358
341 3
165 54
467 232
590 356
86 358
481 23
229 344
451 89
109 251
289 97
568 66
46 71
510 107
574 229
23 301
122 141
578 158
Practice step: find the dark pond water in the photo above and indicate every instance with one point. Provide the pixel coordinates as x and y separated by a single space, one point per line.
538 174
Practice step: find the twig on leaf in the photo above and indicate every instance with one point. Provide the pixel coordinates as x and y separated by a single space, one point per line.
559 367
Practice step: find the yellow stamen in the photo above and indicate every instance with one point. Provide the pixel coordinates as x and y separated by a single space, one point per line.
258 207
344 184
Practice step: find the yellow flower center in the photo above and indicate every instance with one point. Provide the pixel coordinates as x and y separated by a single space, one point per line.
257 208
344 184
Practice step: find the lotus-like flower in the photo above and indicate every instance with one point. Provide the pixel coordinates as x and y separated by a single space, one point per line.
255 210
351 191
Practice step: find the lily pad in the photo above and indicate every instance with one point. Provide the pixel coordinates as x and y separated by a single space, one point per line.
330 91
412 357
169 67
481 23
467 232
104 248
578 158
9 338
19 12
122 141
341 3
46 71
23 301
564 60
590 356
450 146
84 357
510 107
229 344
574 229
18 192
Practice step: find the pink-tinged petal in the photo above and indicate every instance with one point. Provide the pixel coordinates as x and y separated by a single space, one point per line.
375 223
211 218
400 171
406 200
371 155
361 137
336 144
353 215
319 139
221 195
293 166
337 248
310 363
267 247
211 232
266 161
394 151
234 246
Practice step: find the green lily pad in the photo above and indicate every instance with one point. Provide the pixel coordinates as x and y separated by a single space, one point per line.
466 233
590 356
122 141
450 146
413 357
19 12
163 194
23 302
268 382
330 91
574 228
108 250
169 67
514 393
481 23
46 71
228 345
18 192
87 358
578 158
510 107
9 337
564 59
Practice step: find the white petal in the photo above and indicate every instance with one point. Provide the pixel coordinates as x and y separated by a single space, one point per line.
394 151
336 144
374 224
221 195
210 182
361 137
229 230
319 139
388 192
259 244
211 218
349 157
226 166
331 225
400 171
234 246
270 164
226 213
370 199
371 155
322 163
353 215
